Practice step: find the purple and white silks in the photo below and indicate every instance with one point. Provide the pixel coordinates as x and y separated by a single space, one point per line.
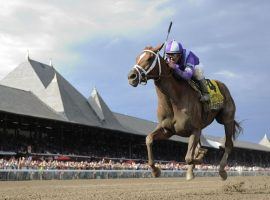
186 66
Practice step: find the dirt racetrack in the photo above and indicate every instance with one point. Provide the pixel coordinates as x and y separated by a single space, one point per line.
151 188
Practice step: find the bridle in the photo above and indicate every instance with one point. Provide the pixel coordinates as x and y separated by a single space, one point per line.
143 74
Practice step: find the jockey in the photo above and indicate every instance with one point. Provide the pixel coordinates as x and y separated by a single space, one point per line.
186 65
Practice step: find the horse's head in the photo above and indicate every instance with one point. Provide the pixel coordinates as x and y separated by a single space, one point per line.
147 66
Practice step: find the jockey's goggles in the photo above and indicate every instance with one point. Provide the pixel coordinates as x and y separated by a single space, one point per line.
174 55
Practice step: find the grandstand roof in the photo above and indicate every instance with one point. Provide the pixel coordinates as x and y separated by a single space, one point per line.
51 88
205 141
25 103
142 126
145 127
47 85
249 145
42 92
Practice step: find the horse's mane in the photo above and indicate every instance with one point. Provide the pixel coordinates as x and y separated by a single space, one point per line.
148 48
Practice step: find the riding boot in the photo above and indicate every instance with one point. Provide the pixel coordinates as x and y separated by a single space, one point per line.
204 90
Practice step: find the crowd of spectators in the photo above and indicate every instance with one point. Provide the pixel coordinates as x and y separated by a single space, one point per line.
129 153
27 163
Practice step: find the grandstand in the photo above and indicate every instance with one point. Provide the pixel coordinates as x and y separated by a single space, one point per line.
42 114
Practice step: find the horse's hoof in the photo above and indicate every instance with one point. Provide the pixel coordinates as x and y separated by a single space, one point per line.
156 172
189 176
223 175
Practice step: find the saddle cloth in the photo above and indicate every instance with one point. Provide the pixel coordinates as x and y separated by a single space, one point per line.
216 98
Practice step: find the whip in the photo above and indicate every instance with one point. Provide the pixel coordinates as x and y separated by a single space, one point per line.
169 30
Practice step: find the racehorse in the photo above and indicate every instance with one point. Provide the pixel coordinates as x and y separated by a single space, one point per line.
180 111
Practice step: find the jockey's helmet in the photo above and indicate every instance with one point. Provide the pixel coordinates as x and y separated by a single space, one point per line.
173 47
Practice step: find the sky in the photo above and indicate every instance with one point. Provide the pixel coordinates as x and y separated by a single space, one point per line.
93 44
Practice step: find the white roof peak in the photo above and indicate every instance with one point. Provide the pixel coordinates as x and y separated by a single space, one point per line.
54 80
51 63
27 55
265 141
94 92
95 103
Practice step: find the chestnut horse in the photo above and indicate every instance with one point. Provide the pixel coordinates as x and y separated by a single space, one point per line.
180 111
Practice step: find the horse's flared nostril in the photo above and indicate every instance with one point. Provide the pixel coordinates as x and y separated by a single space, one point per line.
132 76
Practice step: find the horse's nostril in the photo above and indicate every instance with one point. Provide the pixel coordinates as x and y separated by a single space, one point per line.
132 76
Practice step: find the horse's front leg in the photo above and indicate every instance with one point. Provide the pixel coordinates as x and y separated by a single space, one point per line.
190 156
159 134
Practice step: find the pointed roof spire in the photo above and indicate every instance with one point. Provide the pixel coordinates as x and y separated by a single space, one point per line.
95 103
94 92
265 136
265 141
27 55
103 112
51 63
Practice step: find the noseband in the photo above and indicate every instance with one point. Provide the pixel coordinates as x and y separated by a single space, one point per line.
143 74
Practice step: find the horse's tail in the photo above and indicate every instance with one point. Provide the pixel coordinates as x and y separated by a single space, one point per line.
237 129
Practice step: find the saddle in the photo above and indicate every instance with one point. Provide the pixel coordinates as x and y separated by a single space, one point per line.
216 98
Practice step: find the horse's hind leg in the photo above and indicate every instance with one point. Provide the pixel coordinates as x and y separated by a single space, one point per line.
158 134
229 131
